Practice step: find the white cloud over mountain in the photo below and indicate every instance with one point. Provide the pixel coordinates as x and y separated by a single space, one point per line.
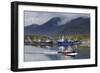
33 17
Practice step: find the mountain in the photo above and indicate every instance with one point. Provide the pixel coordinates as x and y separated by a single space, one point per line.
52 27
44 29
76 26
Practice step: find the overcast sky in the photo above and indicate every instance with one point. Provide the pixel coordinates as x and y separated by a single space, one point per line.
33 17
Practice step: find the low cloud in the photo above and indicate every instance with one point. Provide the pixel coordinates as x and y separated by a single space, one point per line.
33 17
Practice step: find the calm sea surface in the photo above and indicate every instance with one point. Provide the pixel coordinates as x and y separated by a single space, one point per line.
32 53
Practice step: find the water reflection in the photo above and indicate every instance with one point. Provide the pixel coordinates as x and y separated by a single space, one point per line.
42 51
